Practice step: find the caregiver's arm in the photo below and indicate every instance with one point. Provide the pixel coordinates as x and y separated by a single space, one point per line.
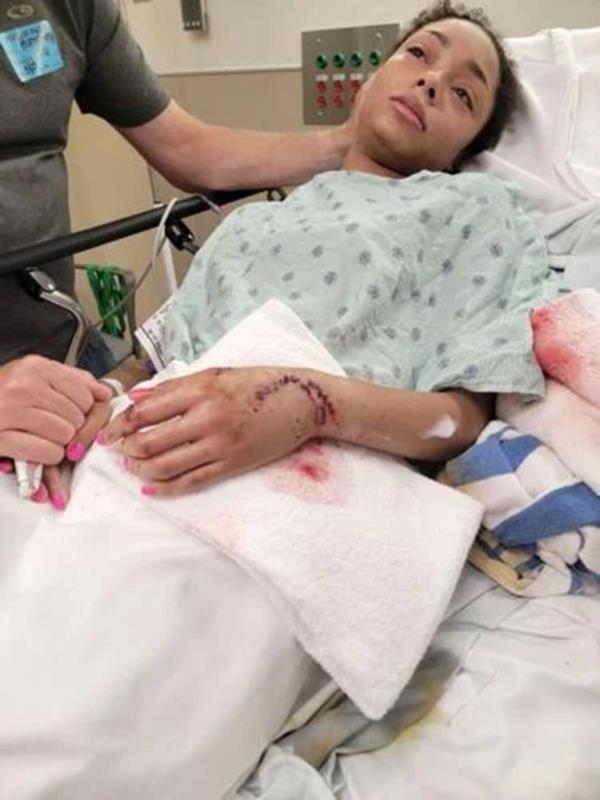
194 155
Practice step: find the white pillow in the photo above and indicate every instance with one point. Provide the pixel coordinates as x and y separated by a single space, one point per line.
553 149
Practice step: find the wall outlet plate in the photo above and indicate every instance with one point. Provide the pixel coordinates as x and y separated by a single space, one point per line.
194 15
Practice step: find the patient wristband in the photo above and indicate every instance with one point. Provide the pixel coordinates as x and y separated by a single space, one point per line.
117 387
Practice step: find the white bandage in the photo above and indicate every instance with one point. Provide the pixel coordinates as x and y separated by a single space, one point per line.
444 428
116 386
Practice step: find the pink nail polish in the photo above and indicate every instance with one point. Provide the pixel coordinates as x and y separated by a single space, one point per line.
148 490
5 467
101 438
75 452
59 501
137 395
40 496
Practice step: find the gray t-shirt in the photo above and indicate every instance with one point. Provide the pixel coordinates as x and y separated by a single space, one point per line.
104 71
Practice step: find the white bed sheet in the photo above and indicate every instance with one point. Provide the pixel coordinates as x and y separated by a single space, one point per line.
521 721
113 695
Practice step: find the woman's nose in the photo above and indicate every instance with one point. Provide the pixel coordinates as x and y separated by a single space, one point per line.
429 85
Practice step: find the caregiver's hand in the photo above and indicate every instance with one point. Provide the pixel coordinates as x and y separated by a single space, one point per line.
215 424
56 480
42 406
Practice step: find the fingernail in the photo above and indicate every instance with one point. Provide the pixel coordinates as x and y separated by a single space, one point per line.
75 452
5 467
148 490
59 501
40 496
101 438
139 394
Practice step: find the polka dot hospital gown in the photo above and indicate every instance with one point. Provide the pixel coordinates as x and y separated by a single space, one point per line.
423 282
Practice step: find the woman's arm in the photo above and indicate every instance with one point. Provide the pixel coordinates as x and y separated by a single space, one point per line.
190 432
429 426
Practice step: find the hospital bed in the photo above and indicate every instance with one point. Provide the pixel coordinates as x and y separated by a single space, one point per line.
29 261
512 713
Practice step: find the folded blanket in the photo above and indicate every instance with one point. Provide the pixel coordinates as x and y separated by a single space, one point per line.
540 524
566 335
564 422
360 562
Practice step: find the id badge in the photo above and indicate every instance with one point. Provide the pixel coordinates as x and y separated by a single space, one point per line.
32 50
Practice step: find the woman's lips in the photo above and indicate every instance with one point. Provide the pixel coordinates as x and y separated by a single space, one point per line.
404 108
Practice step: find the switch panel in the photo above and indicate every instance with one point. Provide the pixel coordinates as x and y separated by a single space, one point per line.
194 16
336 63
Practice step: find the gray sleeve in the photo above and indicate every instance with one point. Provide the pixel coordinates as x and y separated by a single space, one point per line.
118 86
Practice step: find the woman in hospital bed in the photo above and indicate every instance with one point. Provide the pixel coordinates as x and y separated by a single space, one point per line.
417 278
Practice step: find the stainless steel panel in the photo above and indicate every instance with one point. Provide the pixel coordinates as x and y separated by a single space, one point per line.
335 64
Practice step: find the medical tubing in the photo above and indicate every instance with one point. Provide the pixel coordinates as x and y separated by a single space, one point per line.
160 240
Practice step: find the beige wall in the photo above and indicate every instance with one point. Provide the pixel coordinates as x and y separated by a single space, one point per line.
263 33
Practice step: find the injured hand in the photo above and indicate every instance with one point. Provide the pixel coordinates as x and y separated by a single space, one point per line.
188 433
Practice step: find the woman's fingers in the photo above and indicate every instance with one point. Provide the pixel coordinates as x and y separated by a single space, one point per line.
45 425
57 485
27 447
172 464
75 384
53 402
193 481
162 438
159 407
6 466
85 436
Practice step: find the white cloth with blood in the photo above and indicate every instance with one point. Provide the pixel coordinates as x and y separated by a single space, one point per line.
567 421
138 660
358 552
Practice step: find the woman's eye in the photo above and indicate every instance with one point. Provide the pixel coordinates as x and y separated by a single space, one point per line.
465 98
417 52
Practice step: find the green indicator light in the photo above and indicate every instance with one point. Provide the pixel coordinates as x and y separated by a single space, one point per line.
356 59
375 58
321 62
339 60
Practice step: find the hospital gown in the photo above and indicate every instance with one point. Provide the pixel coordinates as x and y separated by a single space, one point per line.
423 282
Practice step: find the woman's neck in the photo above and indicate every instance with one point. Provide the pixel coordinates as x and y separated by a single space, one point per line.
358 161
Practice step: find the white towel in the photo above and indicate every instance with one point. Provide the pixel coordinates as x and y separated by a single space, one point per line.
564 422
361 565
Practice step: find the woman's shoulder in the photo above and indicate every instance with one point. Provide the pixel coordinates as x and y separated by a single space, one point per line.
481 184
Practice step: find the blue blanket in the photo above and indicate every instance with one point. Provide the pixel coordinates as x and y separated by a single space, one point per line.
541 528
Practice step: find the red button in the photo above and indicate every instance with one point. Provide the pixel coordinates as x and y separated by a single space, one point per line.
338 87
356 85
322 87
321 101
338 101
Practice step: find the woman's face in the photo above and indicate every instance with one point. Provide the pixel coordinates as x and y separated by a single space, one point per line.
428 101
